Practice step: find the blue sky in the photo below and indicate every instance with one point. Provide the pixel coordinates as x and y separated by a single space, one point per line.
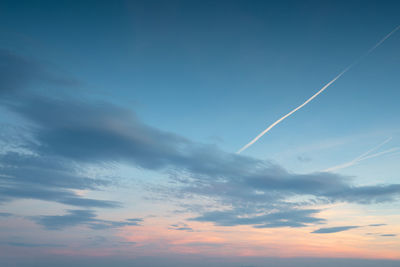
126 115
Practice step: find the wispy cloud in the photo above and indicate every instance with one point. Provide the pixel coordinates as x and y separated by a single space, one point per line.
181 227
330 230
80 217
289 218
377 224
388 235
46 178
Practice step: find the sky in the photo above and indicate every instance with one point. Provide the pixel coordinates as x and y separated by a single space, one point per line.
121 123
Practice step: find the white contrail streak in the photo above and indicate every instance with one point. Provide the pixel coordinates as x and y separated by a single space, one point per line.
393 149
291 112
354 162
372 149
364 156
316 94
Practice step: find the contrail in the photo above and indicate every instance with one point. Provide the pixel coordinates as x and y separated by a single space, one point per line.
373 149
319 92
364 156
393 149
354 162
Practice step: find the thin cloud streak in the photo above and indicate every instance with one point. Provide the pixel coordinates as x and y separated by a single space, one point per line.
291 112
316 94
373 149
364 156
394 149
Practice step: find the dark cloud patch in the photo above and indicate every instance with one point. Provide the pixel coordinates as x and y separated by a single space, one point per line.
98 132
304 159
389 235
46 178
256 195
367 194
288 218
73 218
330 230
181 227
50 172
79 217
8 193
377 224
5 214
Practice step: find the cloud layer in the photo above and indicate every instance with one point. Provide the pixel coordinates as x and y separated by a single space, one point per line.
69 131
79 217
337 229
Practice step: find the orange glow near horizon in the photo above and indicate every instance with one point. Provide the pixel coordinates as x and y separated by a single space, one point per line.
211 240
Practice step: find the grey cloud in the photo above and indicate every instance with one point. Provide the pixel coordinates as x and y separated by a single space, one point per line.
8 193
382 235
288 218
330 230
50 172
82 131
377 224
36 175
184 229
46 178
75 217
367 194
103 132
181 227
78 217
5 214
98 132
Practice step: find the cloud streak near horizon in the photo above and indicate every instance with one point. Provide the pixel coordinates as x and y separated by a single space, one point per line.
316 94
